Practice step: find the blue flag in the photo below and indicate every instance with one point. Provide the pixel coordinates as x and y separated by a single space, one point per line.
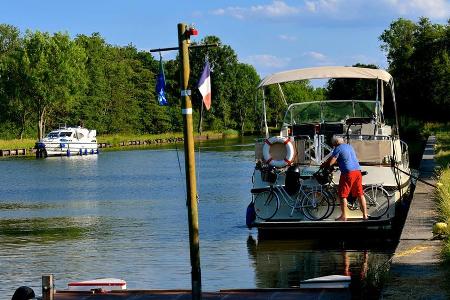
161 84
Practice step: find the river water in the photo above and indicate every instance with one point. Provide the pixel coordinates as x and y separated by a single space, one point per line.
123 214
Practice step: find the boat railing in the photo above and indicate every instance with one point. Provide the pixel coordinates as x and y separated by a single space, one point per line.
370 149
364 137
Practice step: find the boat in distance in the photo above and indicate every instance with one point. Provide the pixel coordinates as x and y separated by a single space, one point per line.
291 191
67 141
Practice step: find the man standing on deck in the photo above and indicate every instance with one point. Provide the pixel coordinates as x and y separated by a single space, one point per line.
351 177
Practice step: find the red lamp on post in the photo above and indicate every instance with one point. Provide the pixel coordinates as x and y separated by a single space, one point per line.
192 31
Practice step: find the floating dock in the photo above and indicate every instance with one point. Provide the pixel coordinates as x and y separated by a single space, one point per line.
312 293
254 294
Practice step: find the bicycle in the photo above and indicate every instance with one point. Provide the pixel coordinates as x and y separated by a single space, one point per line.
312 202
377 197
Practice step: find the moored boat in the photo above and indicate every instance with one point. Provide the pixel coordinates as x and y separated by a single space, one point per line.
67 141
289 188
104 284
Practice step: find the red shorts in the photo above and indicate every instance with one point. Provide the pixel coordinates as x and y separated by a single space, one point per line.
350 182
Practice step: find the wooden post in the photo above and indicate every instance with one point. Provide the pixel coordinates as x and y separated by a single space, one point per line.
48 289
191 184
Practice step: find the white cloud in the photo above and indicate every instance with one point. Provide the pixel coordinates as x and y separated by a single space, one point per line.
439 9
323 5
311 6
276 9
234 11
316 55
285 37
348 12
267 61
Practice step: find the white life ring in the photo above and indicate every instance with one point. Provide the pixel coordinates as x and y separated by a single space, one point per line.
289 151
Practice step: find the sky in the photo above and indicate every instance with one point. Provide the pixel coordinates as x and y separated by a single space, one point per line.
271 35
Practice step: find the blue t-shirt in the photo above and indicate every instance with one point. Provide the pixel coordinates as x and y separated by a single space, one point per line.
346 158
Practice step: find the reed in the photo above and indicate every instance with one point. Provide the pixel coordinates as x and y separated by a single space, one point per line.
442 192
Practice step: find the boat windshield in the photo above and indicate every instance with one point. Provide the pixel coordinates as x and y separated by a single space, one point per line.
329 111
53 134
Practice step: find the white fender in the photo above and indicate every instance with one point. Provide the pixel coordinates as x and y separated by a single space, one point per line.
286 141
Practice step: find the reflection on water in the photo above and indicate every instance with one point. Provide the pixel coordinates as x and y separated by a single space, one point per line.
123 214
285 263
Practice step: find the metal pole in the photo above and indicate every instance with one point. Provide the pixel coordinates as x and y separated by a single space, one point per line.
186 109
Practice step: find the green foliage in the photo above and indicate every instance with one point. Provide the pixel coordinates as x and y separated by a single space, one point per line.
351 88
52 69
418 56
442 192
51 79
299 91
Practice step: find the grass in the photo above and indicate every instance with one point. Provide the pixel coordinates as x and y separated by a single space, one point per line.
442 192
17 144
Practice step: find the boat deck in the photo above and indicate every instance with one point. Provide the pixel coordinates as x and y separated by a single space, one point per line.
333 228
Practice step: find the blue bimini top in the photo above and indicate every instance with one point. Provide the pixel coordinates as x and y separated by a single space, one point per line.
346 158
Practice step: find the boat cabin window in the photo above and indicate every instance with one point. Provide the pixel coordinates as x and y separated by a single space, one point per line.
65 134
53 135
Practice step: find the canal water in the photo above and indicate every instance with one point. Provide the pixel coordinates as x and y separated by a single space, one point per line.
123 214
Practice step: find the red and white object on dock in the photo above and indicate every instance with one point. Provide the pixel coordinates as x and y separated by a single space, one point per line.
106 284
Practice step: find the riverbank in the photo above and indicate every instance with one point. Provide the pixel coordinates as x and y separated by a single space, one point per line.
25 147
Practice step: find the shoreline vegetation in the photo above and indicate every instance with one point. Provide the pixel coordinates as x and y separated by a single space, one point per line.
113 142
442 193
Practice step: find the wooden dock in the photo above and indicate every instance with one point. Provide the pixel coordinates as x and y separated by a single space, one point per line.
50 293
254 294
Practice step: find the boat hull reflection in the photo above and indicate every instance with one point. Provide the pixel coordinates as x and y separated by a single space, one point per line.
284 263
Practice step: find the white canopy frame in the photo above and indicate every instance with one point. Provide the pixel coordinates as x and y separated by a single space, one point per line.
328 73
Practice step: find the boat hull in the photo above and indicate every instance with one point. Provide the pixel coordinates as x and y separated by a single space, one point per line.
67 149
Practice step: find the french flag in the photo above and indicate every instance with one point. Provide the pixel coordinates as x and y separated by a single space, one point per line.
204 86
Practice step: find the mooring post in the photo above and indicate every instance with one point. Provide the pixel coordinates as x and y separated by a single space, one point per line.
48 289
191 184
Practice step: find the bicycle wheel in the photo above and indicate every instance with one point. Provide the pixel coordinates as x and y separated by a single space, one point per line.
377 201
332 198
266 204
315 205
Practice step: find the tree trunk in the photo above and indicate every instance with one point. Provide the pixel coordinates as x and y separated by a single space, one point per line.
41 123
22 126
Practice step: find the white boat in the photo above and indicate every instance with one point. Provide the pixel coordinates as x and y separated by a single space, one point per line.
285 193
68 141
105 284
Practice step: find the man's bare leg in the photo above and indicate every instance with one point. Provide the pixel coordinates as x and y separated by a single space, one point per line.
343 216
363 206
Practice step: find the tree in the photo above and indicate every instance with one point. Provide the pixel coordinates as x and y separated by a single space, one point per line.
298 91
352 88
54 73
223 60
91 108
418 56
12 107
242 102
